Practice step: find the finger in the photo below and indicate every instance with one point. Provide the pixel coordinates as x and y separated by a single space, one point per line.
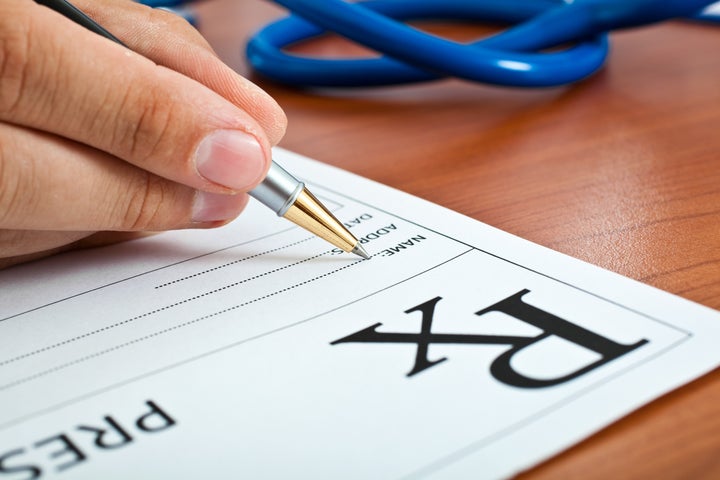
19 246
102 239
61 78
50 183
169 40
22 246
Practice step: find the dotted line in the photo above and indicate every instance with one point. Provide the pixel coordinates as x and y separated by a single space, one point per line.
233 262
158 310
166 330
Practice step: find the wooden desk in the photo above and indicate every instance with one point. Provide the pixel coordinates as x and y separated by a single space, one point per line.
622 171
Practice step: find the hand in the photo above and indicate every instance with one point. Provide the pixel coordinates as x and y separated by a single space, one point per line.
99 143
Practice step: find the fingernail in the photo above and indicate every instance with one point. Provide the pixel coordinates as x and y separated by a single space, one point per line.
231 158
215 207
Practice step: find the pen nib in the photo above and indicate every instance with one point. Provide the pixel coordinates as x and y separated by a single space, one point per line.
359 250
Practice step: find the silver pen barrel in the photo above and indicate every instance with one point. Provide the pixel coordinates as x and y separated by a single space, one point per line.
287 197
278 191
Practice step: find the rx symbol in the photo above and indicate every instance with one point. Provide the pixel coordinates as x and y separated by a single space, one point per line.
500 368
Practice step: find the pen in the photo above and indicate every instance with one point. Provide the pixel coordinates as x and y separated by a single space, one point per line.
280 191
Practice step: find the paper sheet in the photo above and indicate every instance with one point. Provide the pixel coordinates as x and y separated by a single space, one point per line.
256 351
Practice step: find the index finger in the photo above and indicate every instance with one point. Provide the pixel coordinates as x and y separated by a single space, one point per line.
169 40
61 78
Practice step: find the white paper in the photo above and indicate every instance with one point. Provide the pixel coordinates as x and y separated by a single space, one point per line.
256 351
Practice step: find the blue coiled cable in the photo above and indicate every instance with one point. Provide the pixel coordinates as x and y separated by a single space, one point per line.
532 53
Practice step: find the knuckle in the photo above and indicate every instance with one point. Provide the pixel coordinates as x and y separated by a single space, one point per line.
170 22
8 185
17 194
146 206
142 135
15 34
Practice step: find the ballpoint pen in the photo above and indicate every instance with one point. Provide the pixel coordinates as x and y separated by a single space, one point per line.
280 191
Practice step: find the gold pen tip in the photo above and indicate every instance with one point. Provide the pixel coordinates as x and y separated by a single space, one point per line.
360 251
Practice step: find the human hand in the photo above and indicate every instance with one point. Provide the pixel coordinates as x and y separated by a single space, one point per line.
99 143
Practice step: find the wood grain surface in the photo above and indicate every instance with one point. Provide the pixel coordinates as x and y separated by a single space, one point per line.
621 171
